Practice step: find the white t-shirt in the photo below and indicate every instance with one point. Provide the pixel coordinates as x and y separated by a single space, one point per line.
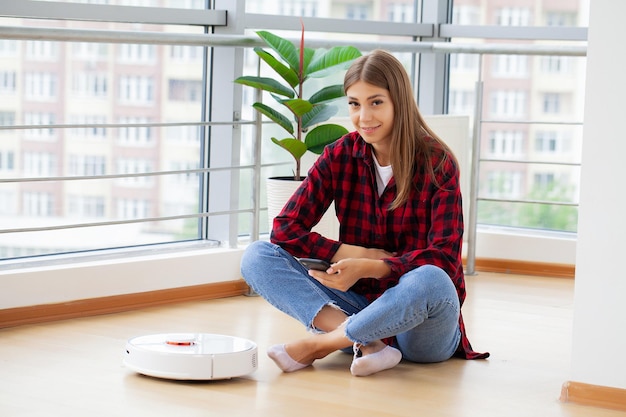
383 176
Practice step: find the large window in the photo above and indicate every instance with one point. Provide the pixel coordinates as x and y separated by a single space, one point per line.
101 134
530 122
121 136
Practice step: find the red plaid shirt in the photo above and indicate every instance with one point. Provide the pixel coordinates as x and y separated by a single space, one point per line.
426 230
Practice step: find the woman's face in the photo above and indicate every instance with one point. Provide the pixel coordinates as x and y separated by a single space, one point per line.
371 112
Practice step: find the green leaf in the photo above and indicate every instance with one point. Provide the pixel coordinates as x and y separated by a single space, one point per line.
335 59
284 48
318 114
323 135
266 84
285 72
332 92
274 116
298 107
293 146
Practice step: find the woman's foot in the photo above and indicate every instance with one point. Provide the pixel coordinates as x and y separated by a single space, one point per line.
279 354
371 359
302 353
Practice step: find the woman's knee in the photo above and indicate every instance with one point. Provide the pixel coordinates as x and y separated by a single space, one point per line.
253 258
428 279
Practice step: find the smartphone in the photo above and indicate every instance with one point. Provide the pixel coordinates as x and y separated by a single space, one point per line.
316 264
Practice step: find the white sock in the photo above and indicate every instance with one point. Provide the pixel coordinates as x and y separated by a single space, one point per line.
285 362
375 362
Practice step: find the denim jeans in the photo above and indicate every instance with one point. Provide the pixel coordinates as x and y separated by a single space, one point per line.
421 311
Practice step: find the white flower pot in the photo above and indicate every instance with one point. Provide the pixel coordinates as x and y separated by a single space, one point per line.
280 189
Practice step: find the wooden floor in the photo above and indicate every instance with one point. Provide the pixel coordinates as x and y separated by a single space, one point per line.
74 367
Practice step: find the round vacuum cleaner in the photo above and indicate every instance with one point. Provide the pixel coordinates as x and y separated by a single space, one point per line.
191 356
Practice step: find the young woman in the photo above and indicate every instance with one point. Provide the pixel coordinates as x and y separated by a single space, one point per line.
395 285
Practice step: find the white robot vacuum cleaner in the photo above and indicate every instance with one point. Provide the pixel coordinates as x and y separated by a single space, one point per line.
191 356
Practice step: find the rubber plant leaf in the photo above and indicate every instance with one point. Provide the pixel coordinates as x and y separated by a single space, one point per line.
295 147
326 94
284 48
319 114
323 135
274 116
285 72
297 106
266 84
336 58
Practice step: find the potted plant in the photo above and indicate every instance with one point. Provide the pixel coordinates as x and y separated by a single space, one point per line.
295 67
302 118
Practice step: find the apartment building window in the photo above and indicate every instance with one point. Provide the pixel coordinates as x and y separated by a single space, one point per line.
7 118
7 82
130 208
87 165
182 134
40 204
42 51
90 130
184 53
551 103
461 102
554 64
508 104
8 206
464 63
86 206
513 16
560 18
135 135
8 48
466 15
89 84
510 66
547 142
39 164
127 166
41 86
504 184
187 4
400 12
7 160
506 144
544 180
187 178
302 8
136 89
185 90
137 54
87 51
40 118
356 12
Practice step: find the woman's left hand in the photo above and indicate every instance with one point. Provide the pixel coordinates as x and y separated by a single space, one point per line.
344 274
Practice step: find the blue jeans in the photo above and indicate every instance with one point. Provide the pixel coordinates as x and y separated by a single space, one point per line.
421 311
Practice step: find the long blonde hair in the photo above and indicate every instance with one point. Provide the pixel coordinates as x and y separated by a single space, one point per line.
409 133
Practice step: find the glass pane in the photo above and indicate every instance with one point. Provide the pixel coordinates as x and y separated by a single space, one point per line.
396 11
521 13
74 94
179 4
531 118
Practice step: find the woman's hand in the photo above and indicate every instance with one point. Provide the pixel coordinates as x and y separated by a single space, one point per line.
344 274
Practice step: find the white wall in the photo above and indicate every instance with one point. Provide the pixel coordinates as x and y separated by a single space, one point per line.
599 336
115 276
